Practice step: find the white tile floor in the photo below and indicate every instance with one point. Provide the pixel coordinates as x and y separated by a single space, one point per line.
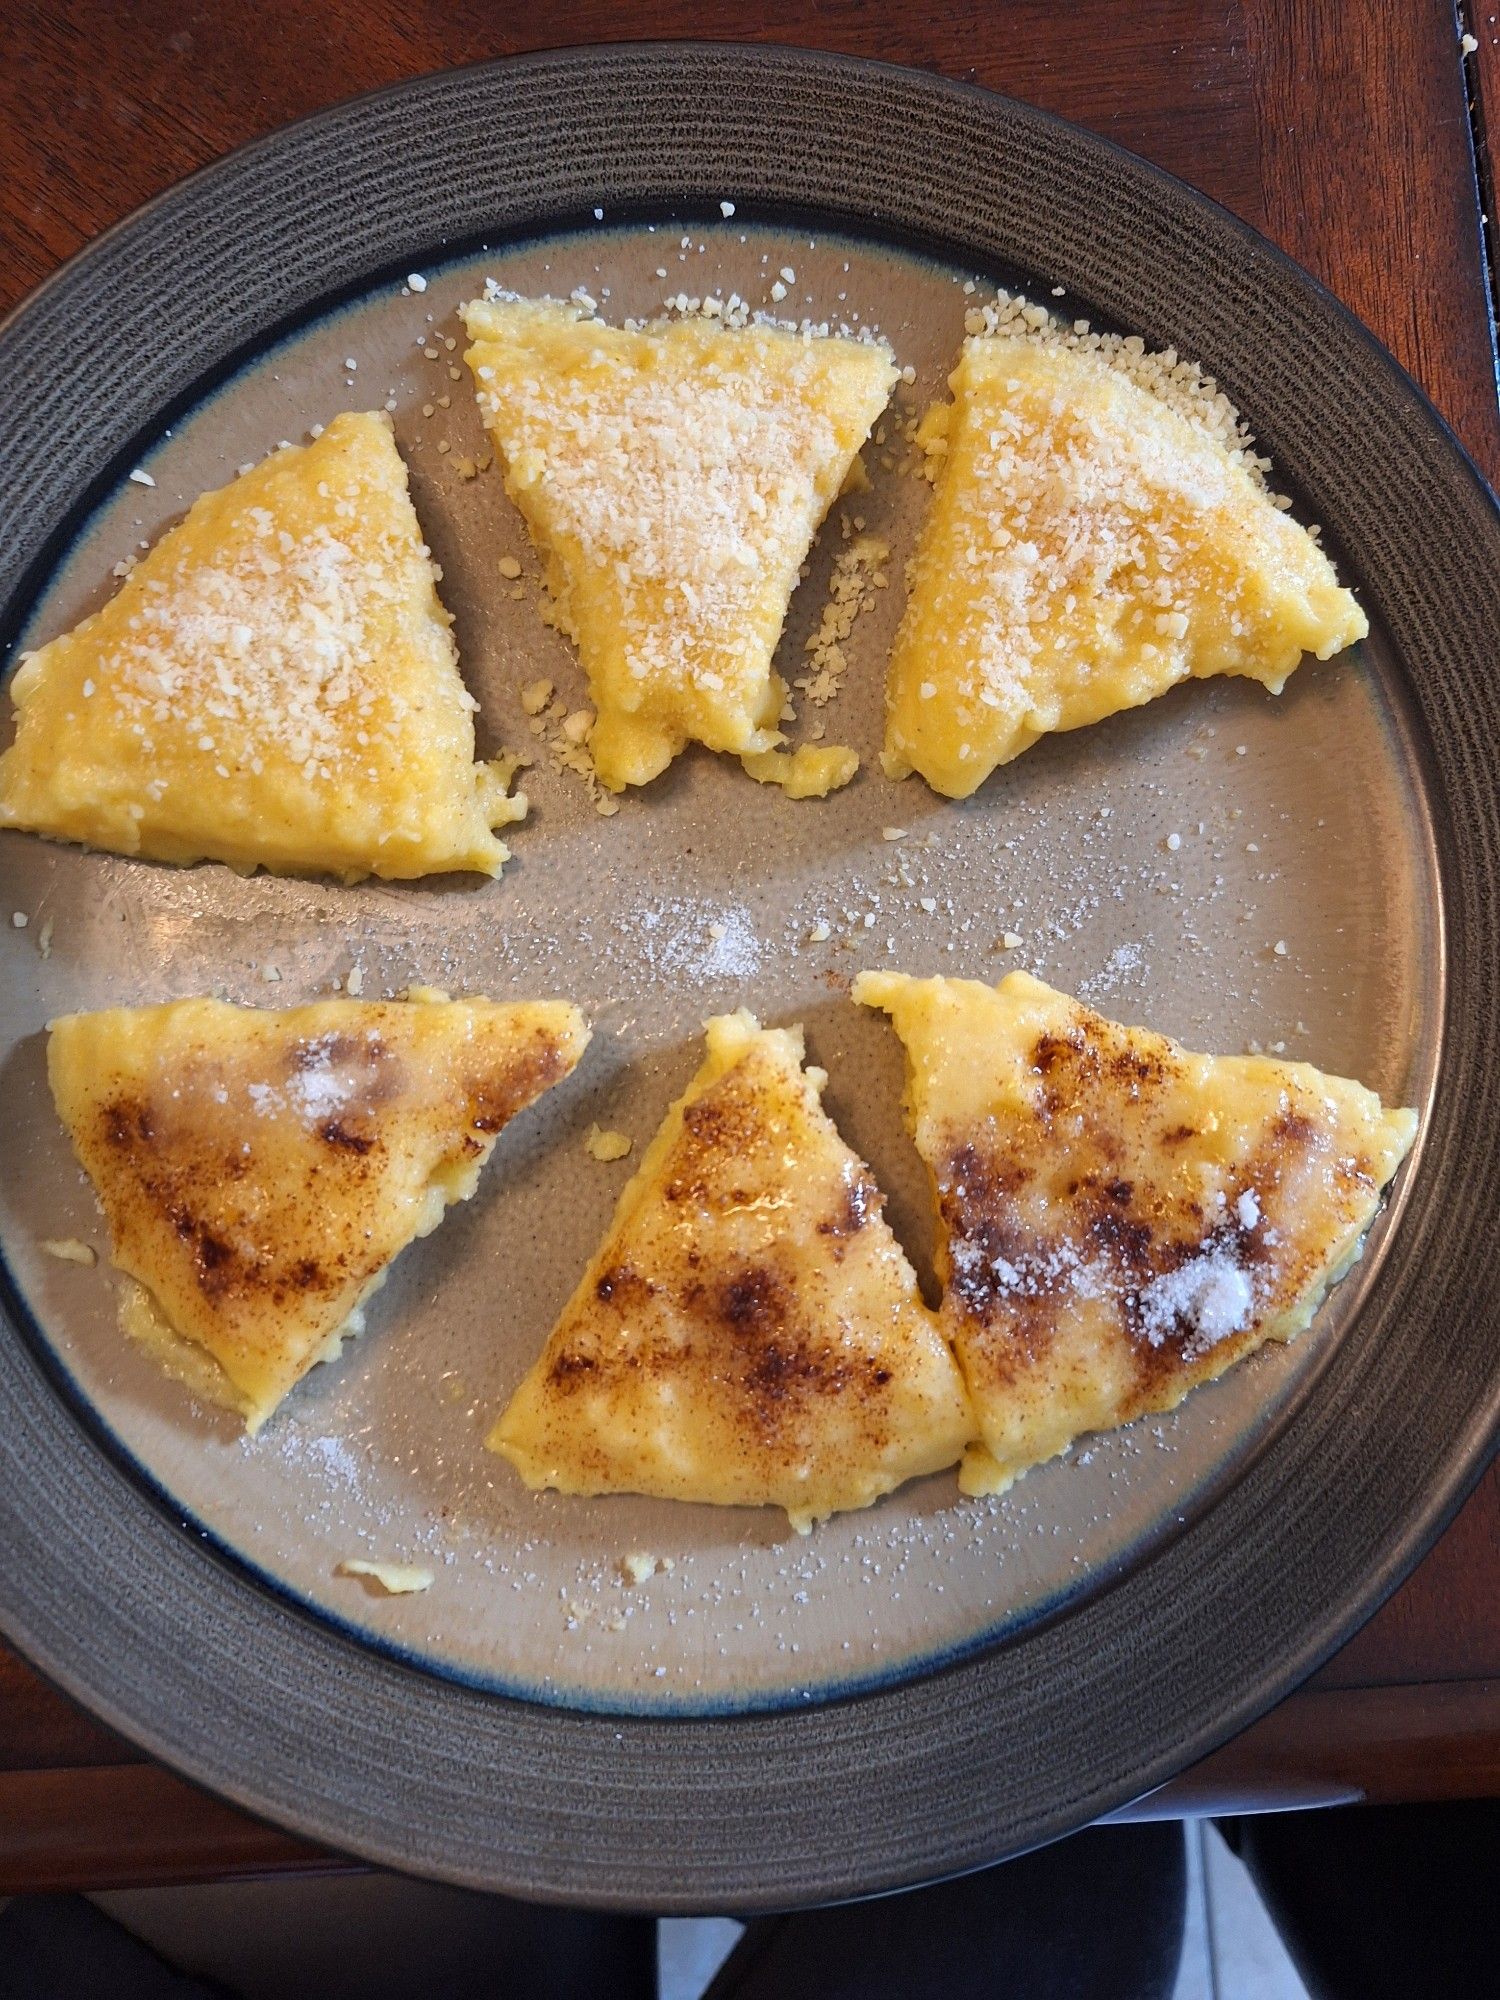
350 1938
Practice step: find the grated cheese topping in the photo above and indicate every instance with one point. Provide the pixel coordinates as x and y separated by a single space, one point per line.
675 476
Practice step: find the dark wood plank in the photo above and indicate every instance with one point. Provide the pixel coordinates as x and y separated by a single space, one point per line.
130 1827
1372 1746
138 95
1368 180
1343 131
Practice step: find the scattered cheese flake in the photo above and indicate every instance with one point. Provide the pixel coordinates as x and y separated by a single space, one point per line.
20 920
602 1145
726 209
396 1579
1279 947
893 833
508 566
69 1249
142 478
355 983
820 933
1010 940
535 696
416 282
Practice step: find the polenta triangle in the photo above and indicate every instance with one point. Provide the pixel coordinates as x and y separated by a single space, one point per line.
1119 1219
274 685
259 1171
750 1332
673 477
1087 548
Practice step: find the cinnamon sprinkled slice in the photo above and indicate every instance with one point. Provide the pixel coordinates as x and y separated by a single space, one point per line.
1118 1218
259 1171
749 1333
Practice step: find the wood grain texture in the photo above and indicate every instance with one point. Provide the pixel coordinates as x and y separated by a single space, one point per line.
1343 130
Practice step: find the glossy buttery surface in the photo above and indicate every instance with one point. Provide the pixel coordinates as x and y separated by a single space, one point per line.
705 893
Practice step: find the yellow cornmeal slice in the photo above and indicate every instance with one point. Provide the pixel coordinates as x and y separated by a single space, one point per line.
260 1170
1087 548
274 685
750 1332
1119 1219
673 478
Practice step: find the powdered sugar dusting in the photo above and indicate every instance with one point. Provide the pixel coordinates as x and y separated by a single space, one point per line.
1203 1302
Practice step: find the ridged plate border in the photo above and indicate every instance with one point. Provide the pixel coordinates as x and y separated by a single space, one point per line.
182 1651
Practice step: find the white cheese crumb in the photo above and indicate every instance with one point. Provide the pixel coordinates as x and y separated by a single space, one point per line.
1279 947
1241 749
416 282
820 933
893 833
598 215
1247 1209
1468 45
602 1145
1174 841
1010 940
69 1250
778 291
396 1579
142 478
350 363
508 566
637 1568
928 903
726 209
20 920
788 275
355 983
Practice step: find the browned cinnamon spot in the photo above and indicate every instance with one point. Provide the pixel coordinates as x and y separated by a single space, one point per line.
128 1124
1179 1135
496 1098
339 1136
1295 1130
567 1368
862 1200
621 1286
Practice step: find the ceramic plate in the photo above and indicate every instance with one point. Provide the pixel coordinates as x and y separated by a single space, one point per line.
935 1682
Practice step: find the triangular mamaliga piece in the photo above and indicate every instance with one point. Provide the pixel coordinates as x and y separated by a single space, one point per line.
749 1333
274 685
1089 545
674 476
1118 1218
260 1170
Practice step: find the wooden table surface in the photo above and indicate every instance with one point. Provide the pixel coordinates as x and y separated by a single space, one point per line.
1353 132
